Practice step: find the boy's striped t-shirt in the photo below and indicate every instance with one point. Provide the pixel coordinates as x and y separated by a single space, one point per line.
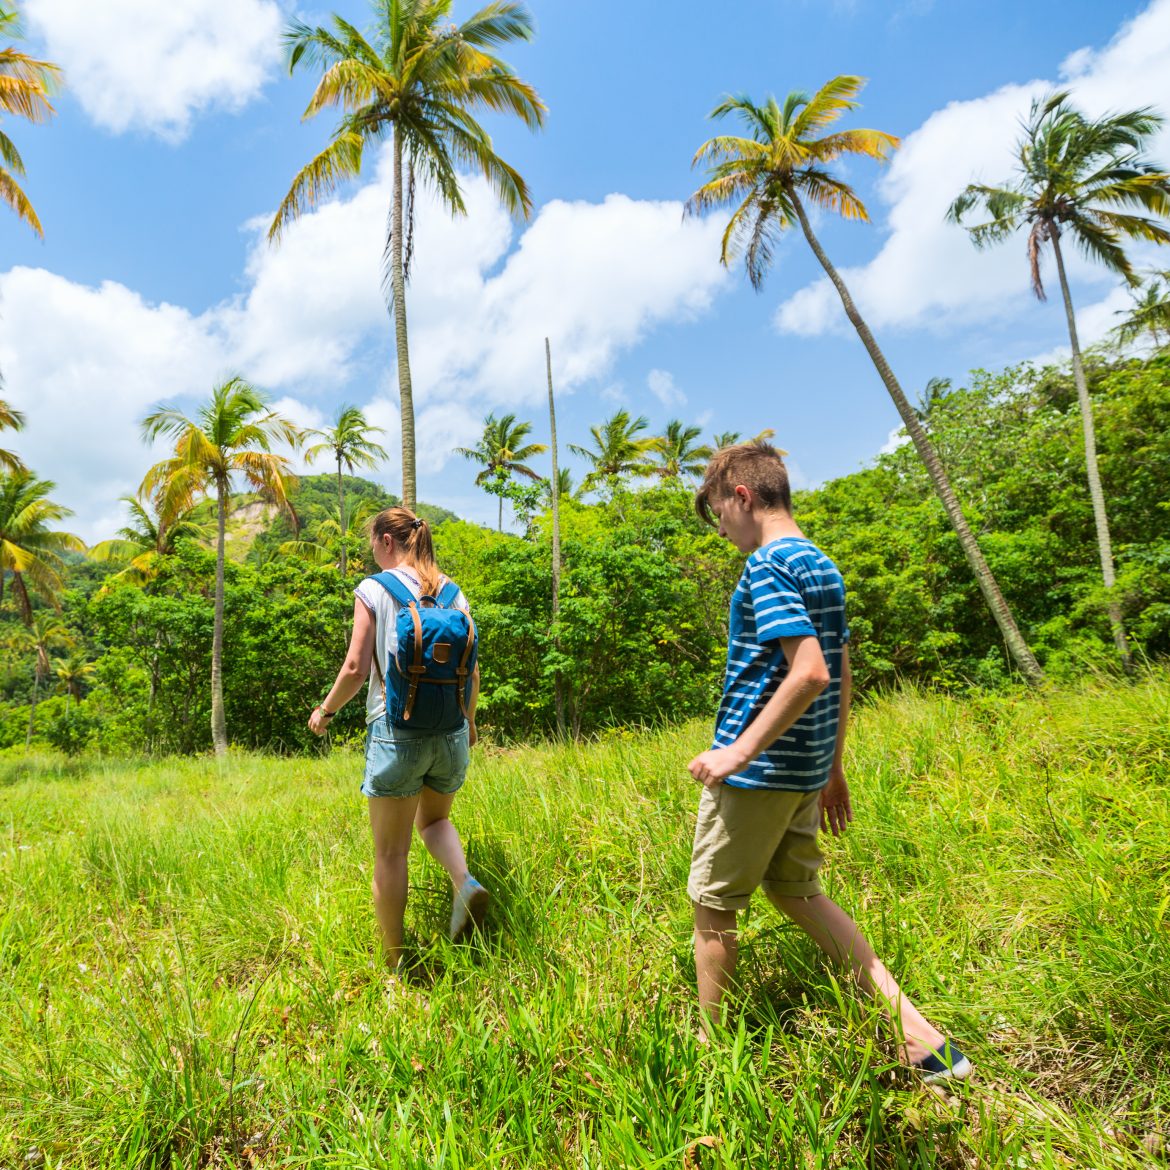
788 589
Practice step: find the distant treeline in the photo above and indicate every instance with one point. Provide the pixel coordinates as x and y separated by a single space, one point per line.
642 627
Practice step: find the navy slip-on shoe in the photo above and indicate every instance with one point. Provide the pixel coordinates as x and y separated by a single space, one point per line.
943 1064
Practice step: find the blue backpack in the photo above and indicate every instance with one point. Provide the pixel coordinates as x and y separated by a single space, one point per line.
427 684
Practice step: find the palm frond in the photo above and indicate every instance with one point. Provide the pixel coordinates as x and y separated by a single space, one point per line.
339 162
18 201
833 99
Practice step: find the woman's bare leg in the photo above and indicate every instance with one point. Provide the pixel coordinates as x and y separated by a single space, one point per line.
439 835
391 819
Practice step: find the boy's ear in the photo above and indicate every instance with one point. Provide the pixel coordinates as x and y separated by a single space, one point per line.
743 495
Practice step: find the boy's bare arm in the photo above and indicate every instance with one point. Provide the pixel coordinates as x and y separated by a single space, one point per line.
836 807
807 677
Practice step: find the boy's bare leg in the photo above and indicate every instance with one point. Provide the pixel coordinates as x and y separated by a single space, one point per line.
842 941
716 945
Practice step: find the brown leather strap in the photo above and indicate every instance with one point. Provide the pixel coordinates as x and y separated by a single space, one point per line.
417 668
461 670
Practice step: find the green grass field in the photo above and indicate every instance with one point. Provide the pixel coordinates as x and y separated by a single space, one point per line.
188 972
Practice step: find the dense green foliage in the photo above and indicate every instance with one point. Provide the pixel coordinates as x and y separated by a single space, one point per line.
642 630
188 959
1013 446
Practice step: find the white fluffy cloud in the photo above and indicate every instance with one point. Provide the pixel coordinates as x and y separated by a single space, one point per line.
154 64
928 274
86 363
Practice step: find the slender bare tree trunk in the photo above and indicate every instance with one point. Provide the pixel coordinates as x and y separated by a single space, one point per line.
1000 611
398 289
558 685
32 711
218 720
500 515
341 513
1100 518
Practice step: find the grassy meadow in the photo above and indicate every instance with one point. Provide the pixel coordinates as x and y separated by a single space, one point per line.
188 973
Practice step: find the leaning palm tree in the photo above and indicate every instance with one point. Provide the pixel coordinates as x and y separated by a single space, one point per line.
770 175
618 452
501 452
26 85
31 547
349 441
1149 315
149 537
1090 180
10 420
418 80
230 438
677 452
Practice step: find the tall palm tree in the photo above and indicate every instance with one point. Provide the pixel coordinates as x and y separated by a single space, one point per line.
350 443
149 537
10 420
1150 312
1090 180
418 80
618 451
501 452
26 85
678 453
30 548
559 479
43 633
230 438
769 175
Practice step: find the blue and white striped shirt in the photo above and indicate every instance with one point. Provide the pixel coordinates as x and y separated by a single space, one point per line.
788 589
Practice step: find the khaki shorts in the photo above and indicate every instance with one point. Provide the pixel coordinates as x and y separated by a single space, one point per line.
747 838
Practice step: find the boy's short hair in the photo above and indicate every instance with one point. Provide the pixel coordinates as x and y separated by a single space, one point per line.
757 466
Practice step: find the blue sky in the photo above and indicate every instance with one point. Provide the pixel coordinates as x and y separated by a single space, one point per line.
180 132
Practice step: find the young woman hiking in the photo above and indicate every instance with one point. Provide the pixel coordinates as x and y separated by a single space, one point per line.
411 773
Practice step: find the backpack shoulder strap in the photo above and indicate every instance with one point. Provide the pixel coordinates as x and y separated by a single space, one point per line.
446 596
395 586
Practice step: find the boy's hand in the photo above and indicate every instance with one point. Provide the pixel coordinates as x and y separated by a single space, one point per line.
836 809
712 767
472 737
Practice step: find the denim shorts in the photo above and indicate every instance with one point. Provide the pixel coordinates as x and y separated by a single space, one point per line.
400 762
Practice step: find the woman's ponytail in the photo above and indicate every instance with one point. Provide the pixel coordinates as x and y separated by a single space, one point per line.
413 535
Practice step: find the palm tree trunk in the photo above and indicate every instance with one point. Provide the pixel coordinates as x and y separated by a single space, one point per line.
32 711
1100 518
218 720
1025 659
558 688
341 513
398 290
500 515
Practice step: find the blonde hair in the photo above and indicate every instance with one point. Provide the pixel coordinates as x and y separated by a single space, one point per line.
412 534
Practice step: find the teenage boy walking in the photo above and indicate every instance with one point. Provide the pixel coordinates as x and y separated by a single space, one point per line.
775 775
